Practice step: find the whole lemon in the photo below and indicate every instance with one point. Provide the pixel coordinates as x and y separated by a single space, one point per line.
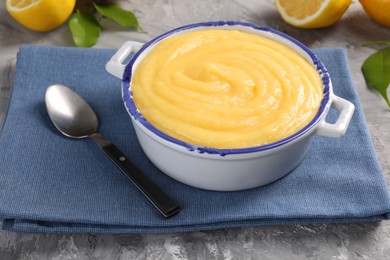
378 10
40 15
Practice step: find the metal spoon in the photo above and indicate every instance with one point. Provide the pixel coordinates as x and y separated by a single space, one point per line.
73 117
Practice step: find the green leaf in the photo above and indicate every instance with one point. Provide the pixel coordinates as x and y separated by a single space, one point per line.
116 13
85 29
376 71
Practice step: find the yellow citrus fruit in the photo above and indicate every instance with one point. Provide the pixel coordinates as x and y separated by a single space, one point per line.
311 13
40 15
378 10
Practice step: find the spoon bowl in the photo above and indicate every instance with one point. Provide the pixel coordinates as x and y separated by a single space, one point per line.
70 113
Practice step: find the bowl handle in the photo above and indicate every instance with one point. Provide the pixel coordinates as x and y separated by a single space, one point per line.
115 65
339 128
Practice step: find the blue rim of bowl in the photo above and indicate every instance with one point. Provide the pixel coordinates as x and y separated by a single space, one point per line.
133 111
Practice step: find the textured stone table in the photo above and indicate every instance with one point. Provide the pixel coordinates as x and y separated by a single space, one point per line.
342 241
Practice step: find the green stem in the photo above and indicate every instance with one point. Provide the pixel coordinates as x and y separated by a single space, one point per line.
387 43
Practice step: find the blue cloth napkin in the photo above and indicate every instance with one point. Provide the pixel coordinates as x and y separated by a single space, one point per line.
51 183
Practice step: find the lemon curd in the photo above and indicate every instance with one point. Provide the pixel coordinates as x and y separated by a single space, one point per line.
226 89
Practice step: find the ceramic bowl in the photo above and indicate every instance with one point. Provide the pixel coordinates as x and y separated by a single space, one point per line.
228 169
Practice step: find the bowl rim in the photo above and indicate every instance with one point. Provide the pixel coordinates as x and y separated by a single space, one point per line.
138 117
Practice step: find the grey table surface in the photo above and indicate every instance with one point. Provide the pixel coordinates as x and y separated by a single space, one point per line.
331 241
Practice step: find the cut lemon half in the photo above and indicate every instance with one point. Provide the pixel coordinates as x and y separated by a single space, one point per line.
40 15
311 13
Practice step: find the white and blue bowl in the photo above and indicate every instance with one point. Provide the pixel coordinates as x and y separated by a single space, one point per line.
228 169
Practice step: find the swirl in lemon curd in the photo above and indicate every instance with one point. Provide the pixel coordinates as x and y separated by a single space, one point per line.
226 89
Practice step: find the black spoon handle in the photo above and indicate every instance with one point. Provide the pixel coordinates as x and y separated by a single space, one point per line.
155 195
